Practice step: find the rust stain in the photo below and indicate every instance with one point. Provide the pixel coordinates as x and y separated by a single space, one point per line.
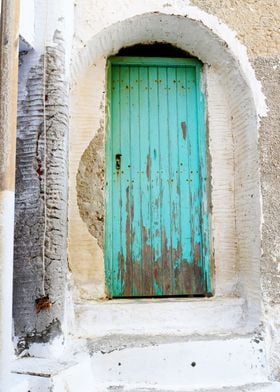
43 303
184 129
38 160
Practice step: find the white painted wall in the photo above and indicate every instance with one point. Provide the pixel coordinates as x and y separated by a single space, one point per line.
6 283
27 23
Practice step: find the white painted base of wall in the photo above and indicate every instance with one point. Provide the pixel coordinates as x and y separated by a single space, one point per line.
29 384
17 383
220 366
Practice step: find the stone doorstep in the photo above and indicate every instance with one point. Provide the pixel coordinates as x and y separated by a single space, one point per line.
127 363
178 364
215 316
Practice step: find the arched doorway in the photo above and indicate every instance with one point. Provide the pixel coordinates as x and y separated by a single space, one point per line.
232 107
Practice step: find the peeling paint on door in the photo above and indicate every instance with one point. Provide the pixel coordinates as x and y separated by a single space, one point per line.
156 228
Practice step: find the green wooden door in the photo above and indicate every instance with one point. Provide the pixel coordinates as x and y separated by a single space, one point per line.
156 225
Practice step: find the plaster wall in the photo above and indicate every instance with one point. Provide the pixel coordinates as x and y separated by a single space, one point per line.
87 120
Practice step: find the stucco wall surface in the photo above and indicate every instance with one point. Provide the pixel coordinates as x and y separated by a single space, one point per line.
256 22
257 26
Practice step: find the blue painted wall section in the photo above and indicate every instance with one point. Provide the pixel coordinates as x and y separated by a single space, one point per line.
156 228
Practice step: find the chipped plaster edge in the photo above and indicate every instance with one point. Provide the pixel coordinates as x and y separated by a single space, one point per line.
223 32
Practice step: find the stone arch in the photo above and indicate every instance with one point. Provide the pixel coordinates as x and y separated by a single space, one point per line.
225 58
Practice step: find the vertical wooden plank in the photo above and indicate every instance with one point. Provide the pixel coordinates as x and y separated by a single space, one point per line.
125 174
181 272
108 243
115 187
202 145
195 184
153 173
135 168
146 211
165 183
176 246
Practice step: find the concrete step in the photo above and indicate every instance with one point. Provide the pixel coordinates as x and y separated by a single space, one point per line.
177 363
177 316
130 363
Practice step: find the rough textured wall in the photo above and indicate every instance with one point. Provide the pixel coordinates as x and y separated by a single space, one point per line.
90 187
268 71
29 216
40 253
257 26
256 22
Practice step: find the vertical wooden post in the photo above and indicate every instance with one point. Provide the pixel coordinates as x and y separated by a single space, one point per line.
9 36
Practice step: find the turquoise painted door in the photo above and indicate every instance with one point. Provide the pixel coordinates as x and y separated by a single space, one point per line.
156 225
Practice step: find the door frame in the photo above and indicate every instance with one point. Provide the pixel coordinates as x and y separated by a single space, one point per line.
203 155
